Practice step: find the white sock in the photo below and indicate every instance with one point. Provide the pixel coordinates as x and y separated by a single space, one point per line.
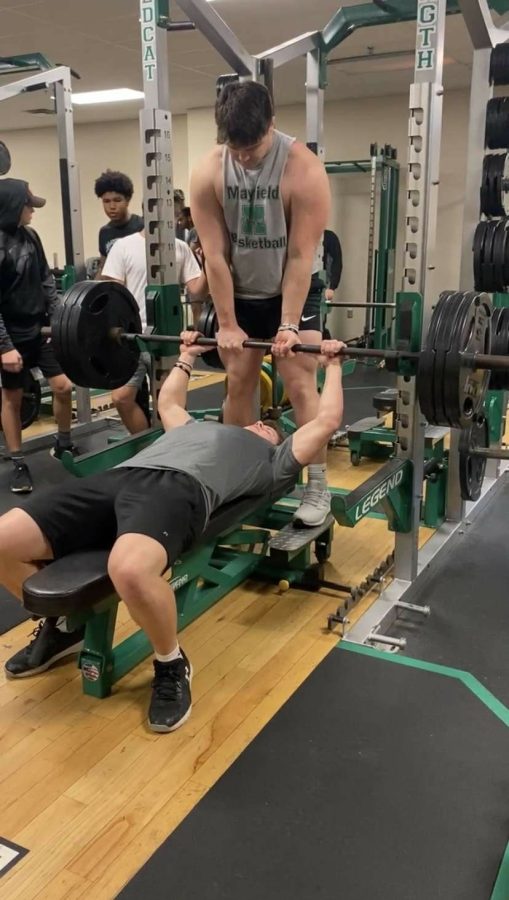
169 657
317 476
61 624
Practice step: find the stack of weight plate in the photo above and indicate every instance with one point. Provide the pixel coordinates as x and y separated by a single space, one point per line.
491 247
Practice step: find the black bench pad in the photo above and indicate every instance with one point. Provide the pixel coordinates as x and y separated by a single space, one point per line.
79 581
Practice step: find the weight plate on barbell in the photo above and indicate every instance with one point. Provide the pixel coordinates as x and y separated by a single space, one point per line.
81 334
464 386
472 468
451 318
429 395
499 378
450 390
208 326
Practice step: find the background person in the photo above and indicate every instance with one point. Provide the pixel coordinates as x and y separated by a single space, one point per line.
28 298
260 202
332 262
115 190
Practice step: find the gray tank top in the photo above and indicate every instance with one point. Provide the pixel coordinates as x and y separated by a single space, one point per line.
255 218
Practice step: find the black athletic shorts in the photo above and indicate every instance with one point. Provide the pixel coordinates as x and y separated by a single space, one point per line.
36 353
261 319
90 513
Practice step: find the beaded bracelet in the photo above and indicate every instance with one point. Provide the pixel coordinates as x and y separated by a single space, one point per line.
288 326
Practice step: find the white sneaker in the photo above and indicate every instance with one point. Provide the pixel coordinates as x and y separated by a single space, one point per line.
314 508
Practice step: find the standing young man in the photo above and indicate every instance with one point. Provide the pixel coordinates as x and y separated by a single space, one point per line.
127 264
28 298
260 204
115 190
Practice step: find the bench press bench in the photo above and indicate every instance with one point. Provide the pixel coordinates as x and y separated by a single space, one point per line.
237 543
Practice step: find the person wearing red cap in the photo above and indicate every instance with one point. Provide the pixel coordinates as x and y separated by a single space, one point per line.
28 298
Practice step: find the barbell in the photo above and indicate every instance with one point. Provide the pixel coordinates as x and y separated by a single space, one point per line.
96 334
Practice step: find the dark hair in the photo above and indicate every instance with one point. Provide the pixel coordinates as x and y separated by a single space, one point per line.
274 424
244 113
116 182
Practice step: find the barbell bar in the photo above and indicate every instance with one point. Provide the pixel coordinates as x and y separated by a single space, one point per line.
97 338
490 452
473 360
345 305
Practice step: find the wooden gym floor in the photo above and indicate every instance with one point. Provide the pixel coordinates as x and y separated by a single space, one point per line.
84 785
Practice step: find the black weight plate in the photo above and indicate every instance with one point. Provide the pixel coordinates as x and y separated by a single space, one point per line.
81 334
492 113
485 187
499 64
30 401
203 321
448 327
464 387
487 273
498 255
472 468
426 384
493 169
499 378
497 176
208 326
478 249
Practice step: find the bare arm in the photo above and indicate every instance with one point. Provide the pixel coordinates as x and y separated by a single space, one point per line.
198 287
309 213
209 221
109 278
171 404
312 437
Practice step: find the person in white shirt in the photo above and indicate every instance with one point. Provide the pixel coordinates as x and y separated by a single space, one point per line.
126 263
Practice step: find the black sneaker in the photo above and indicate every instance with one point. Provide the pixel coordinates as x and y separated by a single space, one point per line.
21 480
170 705
57 450
48 645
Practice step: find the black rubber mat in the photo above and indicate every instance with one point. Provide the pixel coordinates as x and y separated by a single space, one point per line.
469 599
375 781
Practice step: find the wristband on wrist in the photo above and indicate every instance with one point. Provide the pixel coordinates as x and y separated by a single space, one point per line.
183 368
289 326
184 362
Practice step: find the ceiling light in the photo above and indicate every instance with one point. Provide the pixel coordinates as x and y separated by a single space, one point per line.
116 95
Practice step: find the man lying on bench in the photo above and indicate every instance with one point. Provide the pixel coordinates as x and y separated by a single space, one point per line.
151 509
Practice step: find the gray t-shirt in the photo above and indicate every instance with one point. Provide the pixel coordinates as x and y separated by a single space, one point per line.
226 460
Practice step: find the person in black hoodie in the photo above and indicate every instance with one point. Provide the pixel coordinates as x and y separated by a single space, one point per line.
28 298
